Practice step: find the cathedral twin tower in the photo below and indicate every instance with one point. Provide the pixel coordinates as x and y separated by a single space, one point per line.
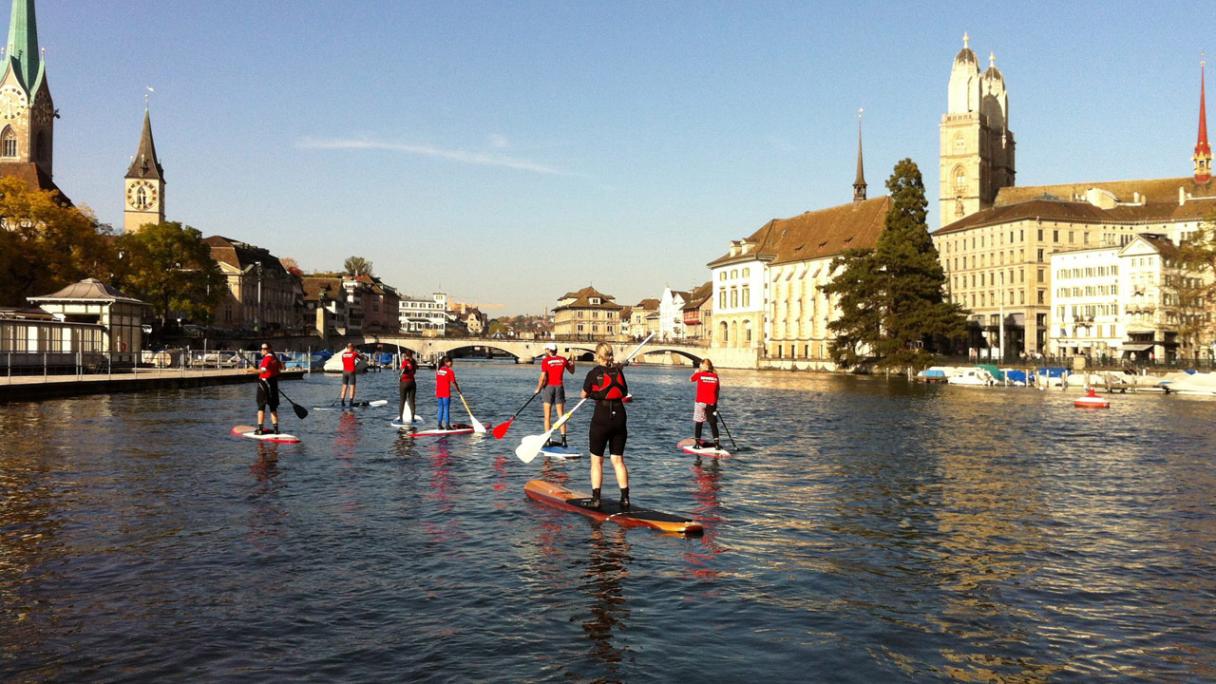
977 148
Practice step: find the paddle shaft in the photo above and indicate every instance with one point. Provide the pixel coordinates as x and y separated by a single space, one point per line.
718 415
500 430
301 412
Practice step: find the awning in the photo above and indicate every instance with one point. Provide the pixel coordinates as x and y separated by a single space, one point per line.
1136 347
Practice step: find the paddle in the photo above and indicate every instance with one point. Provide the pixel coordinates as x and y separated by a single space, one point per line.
500 430
477 426
531 445
718 415
301 412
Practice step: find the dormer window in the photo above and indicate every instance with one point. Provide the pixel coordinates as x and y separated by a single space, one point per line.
595 300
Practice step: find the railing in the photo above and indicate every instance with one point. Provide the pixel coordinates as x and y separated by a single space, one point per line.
57 365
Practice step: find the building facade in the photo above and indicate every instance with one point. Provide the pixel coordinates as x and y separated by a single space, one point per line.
423 316
262 296
91 302
671 315
586 314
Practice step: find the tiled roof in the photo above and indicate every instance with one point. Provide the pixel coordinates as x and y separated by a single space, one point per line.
698 296
89 289
582 300
242 255
1155 190
32 176
1083 212
315 286
816 234
647 305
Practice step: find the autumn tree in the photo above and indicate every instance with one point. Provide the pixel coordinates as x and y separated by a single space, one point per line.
46 244
357 266
892 298
1193 285
169 266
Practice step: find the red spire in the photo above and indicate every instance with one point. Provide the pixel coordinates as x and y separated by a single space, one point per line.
1203 152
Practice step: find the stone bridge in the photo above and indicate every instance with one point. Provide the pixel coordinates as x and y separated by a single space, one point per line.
524 351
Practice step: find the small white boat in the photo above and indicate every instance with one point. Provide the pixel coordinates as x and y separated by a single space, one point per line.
975 377
1190 384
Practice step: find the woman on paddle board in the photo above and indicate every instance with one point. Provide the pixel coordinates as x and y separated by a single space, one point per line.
706 404
408 387
445 379
606 384
268 388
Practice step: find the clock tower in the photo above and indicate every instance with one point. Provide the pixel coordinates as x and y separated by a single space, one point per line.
144 201
27 113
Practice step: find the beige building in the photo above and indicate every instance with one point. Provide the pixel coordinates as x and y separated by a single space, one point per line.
644 318
698 313
586 314
262 295
144 201
93 303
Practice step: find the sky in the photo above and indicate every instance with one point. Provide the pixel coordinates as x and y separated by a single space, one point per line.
509 152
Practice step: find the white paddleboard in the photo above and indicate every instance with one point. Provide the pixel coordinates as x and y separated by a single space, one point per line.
560 452
249 430
688 447
358 404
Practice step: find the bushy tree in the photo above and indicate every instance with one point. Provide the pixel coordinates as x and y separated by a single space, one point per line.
46 245
169 266
892 297
1194 285
357 266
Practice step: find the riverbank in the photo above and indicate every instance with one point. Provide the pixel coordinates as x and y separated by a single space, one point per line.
34 387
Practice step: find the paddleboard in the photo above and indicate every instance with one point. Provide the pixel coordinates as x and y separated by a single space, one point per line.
564 499
335 406
248 431
560 452
687 446
397 424
459 429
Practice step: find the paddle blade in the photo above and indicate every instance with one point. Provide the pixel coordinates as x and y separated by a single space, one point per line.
378 402
478 428
301 412
500 430
530 446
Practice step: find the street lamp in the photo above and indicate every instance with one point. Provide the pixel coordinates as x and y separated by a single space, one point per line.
257 313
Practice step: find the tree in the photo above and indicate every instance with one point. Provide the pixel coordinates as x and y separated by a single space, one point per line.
357 266
46 245
1193 285
169 266
892 297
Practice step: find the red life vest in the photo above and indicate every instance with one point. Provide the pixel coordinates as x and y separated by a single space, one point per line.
610 387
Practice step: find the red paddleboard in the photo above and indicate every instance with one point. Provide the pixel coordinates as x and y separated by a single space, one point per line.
564 499
460 429
688 446
248 431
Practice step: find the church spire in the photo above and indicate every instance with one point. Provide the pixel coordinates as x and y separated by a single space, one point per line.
1203 152
22 48
146 164
859 183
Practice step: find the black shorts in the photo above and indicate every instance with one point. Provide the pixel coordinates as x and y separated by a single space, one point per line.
268 397
608 429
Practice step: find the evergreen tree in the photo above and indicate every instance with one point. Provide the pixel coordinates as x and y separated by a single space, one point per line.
892 297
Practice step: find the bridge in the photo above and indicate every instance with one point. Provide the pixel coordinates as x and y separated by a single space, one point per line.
525 351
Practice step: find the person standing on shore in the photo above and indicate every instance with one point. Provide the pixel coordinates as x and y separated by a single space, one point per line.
268 388
606 385
552 384
445 380
350 373
706 406
408 387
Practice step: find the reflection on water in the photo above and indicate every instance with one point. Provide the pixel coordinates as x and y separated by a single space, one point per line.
864 530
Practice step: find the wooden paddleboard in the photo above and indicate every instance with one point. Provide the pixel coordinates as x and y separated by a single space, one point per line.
560 452
248 431
460 429
688 447
564 499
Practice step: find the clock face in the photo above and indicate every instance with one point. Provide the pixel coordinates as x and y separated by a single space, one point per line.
141 195
12 102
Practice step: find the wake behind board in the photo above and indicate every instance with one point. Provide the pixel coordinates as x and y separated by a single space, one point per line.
560 452
688 446
248 431
459 429
564 499
334 406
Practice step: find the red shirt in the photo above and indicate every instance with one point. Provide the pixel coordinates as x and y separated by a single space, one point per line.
350 361
269 367
444 377
707 387
408 369
553 367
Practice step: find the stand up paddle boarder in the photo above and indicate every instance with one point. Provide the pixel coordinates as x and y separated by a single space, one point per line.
445 379
268 388
408 387
552 387
606 385
706 406
350 372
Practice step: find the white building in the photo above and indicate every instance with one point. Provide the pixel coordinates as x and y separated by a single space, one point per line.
671 314
738 292
424 316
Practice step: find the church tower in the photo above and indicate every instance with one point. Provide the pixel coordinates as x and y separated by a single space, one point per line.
977 147
145 184
27 113
859 182
1203 152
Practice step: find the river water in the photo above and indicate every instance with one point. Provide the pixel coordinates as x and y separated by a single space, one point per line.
865 530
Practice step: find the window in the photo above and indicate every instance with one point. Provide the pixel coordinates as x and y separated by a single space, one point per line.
722 299
747 296
747 272
1040 255
1042 296
721 275
734 297
9 141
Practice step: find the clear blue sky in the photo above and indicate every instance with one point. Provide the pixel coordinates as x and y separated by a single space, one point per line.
507 152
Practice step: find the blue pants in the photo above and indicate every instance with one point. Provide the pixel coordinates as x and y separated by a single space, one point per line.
445 411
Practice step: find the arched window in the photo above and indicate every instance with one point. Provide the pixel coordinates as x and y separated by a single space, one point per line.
724 333
747 296
8 143
734 333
